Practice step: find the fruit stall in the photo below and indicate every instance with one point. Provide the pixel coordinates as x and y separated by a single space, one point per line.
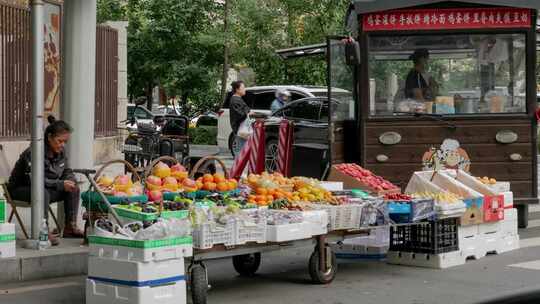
151 234
477 110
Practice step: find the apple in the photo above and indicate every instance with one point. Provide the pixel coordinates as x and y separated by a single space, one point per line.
105 181
120 194
154 180
178 168
122 180
155 196
162 170
170 181
189 183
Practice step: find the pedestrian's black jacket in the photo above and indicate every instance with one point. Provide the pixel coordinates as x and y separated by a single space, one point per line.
238 112
56 171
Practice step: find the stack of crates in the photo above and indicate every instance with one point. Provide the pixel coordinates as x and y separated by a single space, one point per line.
7 233
433 244
136 271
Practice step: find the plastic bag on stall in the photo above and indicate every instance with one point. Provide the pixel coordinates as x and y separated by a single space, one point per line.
164 229
106 228
246 128
374 212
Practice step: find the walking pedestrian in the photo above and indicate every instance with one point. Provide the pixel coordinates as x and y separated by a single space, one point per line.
239 112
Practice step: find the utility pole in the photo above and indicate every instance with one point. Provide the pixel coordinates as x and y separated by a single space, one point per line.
225 74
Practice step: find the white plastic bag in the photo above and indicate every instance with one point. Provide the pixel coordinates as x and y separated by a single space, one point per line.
246 129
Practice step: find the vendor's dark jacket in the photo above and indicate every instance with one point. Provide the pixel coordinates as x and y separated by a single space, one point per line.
56 171
238 112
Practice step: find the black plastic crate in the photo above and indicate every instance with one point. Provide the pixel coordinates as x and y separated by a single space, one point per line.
433 237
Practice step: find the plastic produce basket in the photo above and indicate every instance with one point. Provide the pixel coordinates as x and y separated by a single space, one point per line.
208 234
431 237
92 200
342 217
246 232
143 244
374 212
141 216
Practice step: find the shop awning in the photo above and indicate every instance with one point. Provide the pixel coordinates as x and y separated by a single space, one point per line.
368 6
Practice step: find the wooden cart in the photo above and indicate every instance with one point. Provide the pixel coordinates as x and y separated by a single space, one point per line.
483 56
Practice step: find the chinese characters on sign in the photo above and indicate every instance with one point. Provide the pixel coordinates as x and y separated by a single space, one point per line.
432 19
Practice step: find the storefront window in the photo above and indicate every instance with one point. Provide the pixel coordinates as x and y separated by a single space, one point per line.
447 74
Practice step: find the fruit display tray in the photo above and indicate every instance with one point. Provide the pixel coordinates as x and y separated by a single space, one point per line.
142 216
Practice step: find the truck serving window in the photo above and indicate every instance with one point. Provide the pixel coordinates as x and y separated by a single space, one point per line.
447 74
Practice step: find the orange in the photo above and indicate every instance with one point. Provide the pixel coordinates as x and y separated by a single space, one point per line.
252 198
270 198
222 186
200 179
219 178
279 195
232 185
261 198
233 181
271 191
208 178
261 191
200 184
209 186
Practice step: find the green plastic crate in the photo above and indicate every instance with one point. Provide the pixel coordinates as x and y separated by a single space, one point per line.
92 200
2 211
141 216
140 243
7 238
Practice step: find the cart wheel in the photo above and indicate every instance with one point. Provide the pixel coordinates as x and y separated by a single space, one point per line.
247 264
199 284
317 275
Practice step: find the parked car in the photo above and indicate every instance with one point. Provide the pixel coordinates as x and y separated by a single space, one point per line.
259 100
166 110
310 117
207 119
137 114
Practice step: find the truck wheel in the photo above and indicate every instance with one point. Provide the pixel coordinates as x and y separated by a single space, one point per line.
319 276
247 264
199 284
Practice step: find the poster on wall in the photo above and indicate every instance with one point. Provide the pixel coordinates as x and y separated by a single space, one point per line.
52 50
449 155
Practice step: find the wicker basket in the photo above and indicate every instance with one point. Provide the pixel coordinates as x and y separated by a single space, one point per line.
204 162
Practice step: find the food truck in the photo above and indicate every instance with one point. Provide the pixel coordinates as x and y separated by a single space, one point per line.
439 84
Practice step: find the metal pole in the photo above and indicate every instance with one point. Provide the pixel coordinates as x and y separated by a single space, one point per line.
38 95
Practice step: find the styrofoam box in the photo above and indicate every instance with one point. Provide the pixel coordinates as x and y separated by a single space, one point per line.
288 232
134 271
508 243
500 187
7 249
441 261
332 186
139 254
509 226
101 293
318 220
508 199
7 228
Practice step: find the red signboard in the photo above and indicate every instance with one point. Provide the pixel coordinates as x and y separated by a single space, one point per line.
438 19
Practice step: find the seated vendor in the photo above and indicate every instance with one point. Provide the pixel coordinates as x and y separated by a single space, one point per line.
419 85
60 183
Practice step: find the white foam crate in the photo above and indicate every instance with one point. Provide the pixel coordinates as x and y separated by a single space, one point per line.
508 199
7 228
489 228
440 261
7 241
140 254
359 251
467 231
332 186
318 220
103 293
134 271
500 187
509 226
288 232
248 232
8 249
208 234
508 243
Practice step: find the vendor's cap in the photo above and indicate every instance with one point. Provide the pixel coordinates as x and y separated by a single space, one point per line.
419 53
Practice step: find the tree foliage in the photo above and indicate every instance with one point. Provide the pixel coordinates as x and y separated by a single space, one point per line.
178 45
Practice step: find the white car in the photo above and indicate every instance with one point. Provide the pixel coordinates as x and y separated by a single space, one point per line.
142 115
259 100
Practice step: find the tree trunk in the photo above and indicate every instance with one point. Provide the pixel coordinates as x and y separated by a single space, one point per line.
149 88
225 74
